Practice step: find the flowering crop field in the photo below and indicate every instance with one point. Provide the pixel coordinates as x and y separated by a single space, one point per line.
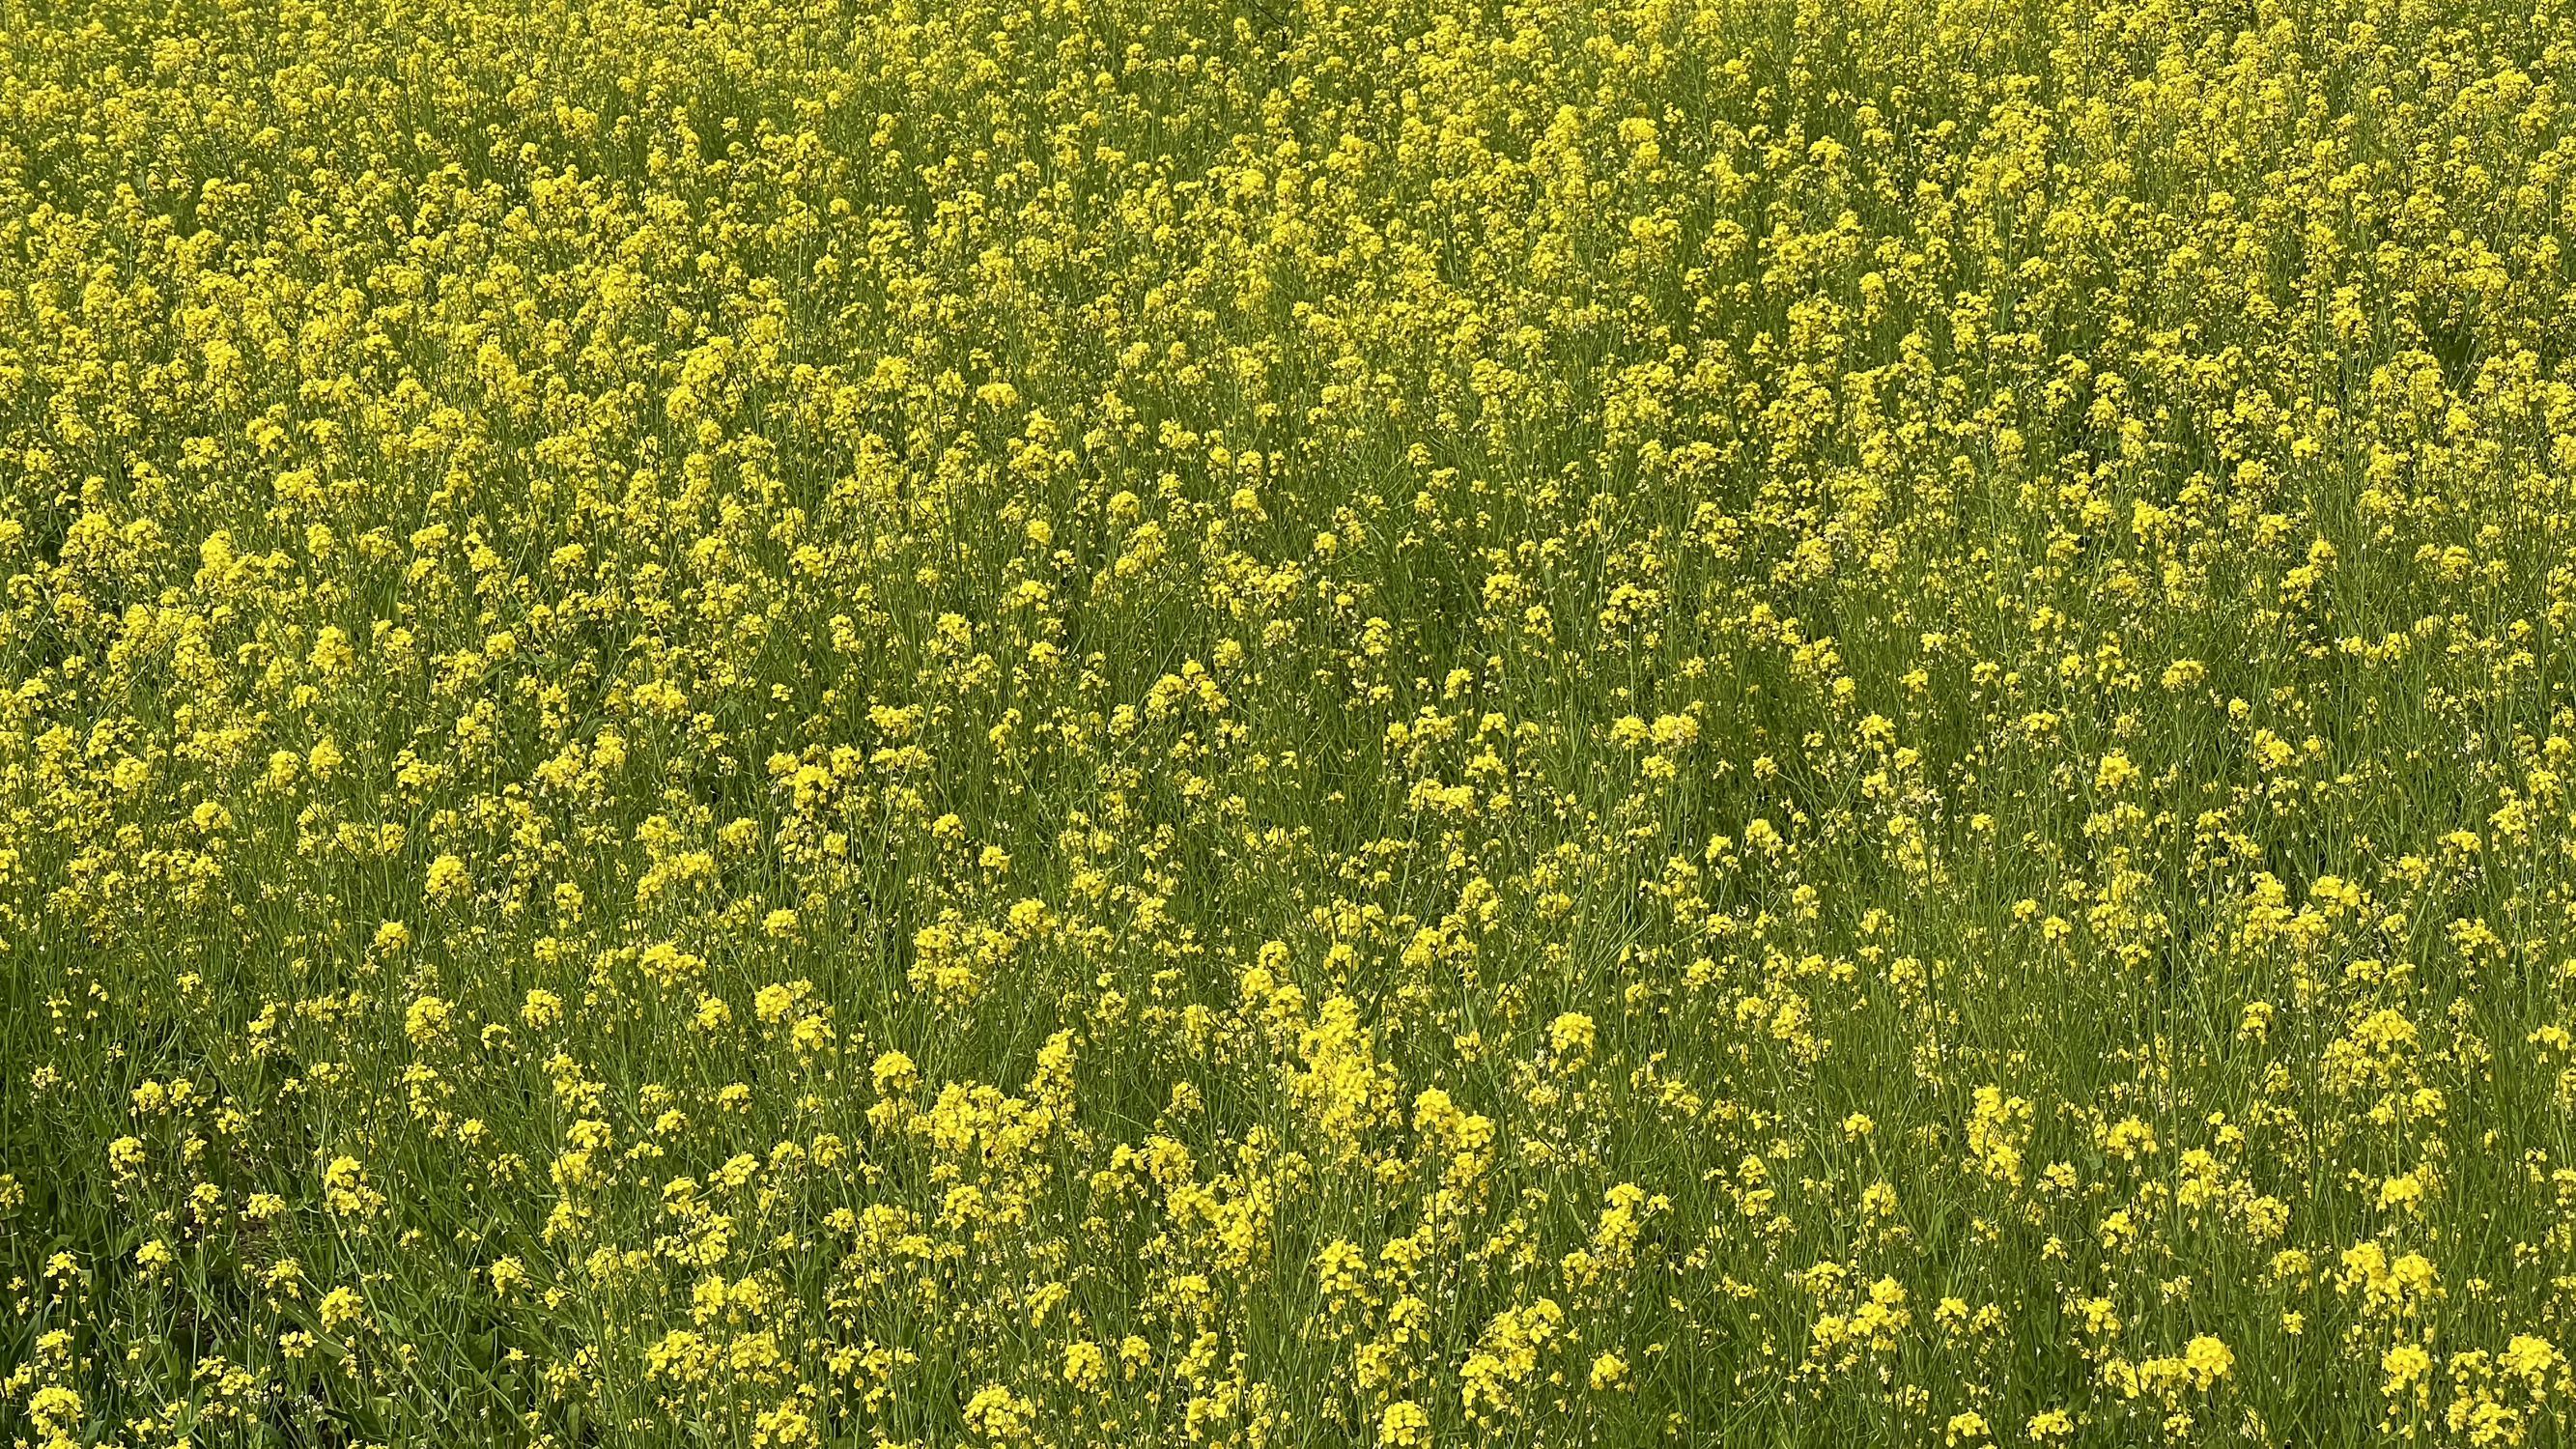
1441 722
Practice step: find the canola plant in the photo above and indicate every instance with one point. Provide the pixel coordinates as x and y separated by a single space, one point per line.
1089 723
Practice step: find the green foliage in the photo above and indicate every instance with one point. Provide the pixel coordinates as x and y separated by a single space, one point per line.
1096 724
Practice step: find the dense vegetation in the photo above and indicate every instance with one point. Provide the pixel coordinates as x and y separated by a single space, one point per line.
1117 722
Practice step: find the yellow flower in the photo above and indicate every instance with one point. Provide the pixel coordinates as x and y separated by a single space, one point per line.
1085 1367
345 1189
1571 1035
893 1073
339 1308
998 1414
1404 1423
541 1009
2209 1360
2406 1365
427 1020
55 1410
2128 1139
1609 1371
447 879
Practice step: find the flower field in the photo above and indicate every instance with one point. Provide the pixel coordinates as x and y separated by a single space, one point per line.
1131 722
